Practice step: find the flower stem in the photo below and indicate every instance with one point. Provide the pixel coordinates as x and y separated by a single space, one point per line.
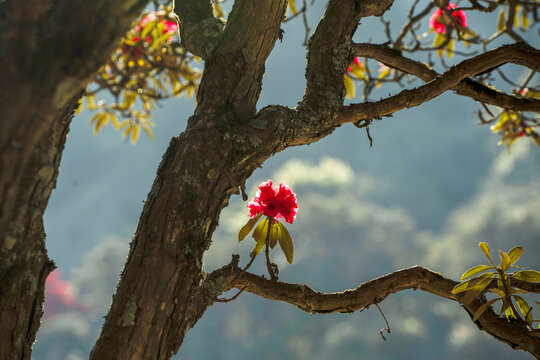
267 250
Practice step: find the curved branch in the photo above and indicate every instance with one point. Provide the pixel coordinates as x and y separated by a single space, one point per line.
372 292
467 87
520 54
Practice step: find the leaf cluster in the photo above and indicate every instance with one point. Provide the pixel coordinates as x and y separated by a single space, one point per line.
498 274
269 232
148 65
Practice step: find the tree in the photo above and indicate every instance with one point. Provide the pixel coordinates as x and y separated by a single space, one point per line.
51 51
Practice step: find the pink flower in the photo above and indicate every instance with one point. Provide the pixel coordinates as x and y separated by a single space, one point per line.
170 26
439 20
59 294
276 202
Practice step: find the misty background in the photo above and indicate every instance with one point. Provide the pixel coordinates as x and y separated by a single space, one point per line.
432 187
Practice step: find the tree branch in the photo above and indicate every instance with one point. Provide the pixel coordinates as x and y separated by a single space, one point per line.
520 54
467 87
373 292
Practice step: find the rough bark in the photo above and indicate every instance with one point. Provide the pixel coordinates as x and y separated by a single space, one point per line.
48 51
147 319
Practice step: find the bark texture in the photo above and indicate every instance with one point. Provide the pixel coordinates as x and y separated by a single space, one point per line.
147 319
48 51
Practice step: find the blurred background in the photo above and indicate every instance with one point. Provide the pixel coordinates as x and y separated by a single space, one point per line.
432 187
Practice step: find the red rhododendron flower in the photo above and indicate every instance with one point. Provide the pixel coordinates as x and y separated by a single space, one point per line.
276 202
170 26
357 62
439 21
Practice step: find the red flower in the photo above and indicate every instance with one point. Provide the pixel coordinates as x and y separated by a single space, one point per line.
170 26
358 63
276 202
439 21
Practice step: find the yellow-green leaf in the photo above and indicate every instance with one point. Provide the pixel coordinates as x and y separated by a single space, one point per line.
516 17
275 233
148 27
515 253
531 276
525 22
485 249
483 308
475 270
349 87
286 244
450 48
524 308
438 41
135 134
497 291
246 229
292 6
477 283
148 130
259 234
505 260
501 19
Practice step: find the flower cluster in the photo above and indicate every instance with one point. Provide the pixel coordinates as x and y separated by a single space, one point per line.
357 62
439 20
275 202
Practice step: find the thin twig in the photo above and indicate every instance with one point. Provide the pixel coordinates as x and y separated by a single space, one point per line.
387 329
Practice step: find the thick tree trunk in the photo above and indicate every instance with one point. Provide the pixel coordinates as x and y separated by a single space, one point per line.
48 52
202 167
25 264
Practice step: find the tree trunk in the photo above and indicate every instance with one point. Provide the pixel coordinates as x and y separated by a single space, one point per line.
202 167
48 52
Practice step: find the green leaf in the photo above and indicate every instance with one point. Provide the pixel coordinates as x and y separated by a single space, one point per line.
384 73
246 229
505 260
450 48
275 233
504 306
149 27
531 276
483 308
292 6
485 249
477 283
525 22
517 291
259 234
501 19
510 312
475 270
285 242
497 291
525 309
349 87
515 253
437 42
